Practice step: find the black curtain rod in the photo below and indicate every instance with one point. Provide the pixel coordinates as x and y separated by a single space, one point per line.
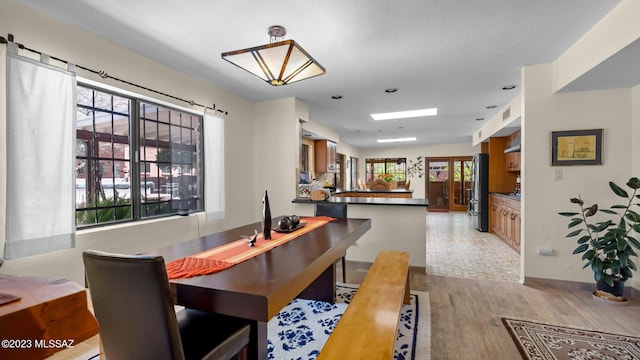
104 75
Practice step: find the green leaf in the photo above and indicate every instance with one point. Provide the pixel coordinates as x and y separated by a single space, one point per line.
607 211
584 239
618 190
597 276
603 225
633 216
622 244
619 207
574 233
581 248
610 248
634 242
575 222
596 265
634 183
568 214
588 255
608 279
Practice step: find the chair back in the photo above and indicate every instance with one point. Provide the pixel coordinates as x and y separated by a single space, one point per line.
133 305
335 210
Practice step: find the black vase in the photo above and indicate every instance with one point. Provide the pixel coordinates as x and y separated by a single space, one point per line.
266 218
616 290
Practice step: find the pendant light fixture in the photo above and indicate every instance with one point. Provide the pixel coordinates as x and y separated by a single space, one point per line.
280 62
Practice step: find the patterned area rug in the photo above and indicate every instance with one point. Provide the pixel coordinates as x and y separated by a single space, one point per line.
300 330
543 341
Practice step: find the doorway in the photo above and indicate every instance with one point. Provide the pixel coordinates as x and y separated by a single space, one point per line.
340 171
448 183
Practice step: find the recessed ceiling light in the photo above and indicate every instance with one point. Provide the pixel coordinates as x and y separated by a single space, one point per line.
391 90
405 114
492 106
396 140
336 97
479 119
509 87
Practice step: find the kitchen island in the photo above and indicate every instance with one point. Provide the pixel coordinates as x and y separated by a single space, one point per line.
396 224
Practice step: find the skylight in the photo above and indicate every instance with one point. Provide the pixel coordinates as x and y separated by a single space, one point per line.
405 114
396 140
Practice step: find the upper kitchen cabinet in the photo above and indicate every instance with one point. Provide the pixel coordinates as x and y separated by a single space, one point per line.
513 161
512 152
325 156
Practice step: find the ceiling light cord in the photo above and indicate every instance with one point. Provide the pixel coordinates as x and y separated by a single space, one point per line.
104 75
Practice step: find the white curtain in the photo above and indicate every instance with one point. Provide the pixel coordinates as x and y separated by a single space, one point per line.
41 120
214 201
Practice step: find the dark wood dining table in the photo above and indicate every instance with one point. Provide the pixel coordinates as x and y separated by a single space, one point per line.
258 288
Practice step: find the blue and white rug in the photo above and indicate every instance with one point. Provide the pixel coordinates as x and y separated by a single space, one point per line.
299 331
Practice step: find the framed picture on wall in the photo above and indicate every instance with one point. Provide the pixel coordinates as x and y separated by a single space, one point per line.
576 147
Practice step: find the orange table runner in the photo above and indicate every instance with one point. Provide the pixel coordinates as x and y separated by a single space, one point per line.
228 255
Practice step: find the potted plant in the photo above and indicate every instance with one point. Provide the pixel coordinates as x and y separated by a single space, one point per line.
388 178
607 246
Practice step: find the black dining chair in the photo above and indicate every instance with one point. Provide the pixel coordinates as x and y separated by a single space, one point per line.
133 305
338 211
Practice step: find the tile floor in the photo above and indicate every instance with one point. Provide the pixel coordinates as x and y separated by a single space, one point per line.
456 249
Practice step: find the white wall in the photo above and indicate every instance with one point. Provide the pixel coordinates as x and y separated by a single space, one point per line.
614 32
544 197
412 153
500 121
58 39
276 137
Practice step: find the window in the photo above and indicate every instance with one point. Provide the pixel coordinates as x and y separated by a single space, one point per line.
395 168
111 130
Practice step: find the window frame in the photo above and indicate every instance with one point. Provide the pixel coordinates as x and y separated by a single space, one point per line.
135 158
371 173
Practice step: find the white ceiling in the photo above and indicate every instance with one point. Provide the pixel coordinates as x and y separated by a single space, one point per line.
455 55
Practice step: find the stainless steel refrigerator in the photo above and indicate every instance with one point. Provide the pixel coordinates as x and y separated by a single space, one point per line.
479 203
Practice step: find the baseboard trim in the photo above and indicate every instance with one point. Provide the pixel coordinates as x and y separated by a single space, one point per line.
572 285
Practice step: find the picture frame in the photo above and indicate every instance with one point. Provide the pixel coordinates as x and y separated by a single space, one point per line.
576 147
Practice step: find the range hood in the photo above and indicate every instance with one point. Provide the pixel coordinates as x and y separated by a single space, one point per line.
515 145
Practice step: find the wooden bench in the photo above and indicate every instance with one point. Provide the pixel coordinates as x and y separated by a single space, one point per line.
369 326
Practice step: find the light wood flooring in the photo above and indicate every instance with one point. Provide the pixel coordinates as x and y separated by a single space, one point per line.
466 308
466 312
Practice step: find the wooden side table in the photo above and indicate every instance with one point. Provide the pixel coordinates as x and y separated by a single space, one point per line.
50 315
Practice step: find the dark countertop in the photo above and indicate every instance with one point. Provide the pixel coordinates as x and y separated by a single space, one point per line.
394 191
370 201
511 196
